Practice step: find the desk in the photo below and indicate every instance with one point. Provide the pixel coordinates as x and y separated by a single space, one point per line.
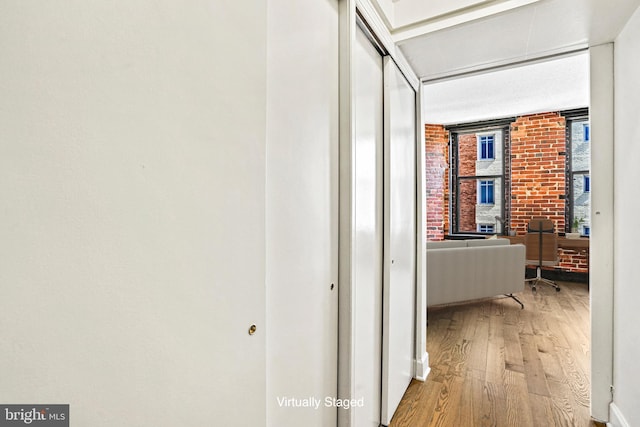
573 254
581 244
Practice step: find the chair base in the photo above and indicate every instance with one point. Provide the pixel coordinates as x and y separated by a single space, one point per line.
539 279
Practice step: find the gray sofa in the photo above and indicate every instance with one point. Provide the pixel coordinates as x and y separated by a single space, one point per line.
462 270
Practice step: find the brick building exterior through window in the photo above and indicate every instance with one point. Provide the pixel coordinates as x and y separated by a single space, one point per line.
492 177
504 171
478 177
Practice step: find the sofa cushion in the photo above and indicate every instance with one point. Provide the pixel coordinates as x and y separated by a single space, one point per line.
444 244
487 242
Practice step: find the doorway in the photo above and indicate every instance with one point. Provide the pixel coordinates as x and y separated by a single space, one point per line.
593 75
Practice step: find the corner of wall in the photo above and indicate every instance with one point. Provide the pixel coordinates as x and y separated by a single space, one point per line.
617 419
422 368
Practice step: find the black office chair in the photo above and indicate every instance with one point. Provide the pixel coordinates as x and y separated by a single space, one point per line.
541 244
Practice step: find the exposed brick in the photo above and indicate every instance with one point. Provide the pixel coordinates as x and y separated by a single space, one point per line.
437 152
536 171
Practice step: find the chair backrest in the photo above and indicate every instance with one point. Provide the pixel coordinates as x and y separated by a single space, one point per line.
541 242
544 225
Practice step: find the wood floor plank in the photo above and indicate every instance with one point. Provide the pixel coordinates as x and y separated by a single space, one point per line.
493 364
536 379
418 403
518 407
447 407
495 349
512 350
575 375
561 405
479 345
493 407
541 412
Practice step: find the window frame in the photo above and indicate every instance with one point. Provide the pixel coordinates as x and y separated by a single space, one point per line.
571 116
501 127
489 144
586 128
489 184
492 229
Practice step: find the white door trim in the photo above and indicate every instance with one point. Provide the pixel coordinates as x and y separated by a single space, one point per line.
601 273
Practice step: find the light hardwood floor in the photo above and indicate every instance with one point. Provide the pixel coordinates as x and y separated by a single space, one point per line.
493 364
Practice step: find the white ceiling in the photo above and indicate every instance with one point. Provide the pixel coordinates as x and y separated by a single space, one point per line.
443 38
553 85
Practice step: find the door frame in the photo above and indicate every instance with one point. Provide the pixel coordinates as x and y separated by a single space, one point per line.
350 12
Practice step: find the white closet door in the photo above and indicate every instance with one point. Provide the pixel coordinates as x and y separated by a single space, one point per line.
399 238
367 229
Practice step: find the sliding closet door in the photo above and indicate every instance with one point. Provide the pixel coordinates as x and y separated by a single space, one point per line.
367 217
399 238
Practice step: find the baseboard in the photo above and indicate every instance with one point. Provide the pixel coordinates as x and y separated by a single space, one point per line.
617 419
422 368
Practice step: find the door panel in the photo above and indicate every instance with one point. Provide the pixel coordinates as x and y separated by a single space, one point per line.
399 239
367 268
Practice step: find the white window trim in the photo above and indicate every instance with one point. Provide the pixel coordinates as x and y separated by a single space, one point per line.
486 225
479 192
479 145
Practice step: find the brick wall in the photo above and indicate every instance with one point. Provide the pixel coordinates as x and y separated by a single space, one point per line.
437 153
570 260
537 179
468 195
537 169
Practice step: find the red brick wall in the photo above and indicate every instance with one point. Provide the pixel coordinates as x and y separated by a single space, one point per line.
468 196
537 179
537 169
437 152
468 152
571 260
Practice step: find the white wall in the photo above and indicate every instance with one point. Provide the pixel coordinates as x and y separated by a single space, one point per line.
627 175
302 179
132 164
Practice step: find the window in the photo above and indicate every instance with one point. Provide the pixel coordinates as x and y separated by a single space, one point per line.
485 228
486 175
486 147
578 165
578 179
585 130
486 192
478 158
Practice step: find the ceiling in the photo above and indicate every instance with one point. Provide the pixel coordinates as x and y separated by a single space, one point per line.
554 85
441 38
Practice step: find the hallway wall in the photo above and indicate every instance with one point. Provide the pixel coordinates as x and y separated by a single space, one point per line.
132 248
